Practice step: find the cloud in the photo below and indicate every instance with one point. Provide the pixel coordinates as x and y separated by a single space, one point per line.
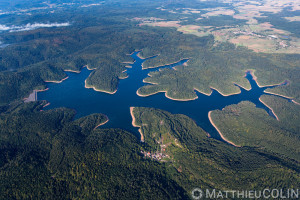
4 28
89 5
29 26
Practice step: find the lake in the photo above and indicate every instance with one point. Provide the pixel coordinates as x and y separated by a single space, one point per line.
72 93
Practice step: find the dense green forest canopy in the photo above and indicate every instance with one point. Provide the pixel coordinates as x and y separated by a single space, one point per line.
49 155
102 41
45 154
236 123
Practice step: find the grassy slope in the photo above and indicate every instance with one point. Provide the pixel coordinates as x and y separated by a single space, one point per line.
246 125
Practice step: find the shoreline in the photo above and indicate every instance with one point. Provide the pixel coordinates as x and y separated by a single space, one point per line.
42 109
239 86
207 94
198 90
129 54
225 95
74 71
220 133
279 95
269 108
97 90
66 70
184 64
134 124
42 90
190 99
136 50
57 81
123 77
139 55
70 70
143 58
93 87
295 102
102 123
127 63
141 95
252 71
47 104
88 68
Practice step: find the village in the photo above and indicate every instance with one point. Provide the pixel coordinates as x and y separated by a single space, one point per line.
158 156
155 156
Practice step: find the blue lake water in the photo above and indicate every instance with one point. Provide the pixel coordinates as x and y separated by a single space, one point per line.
71 93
